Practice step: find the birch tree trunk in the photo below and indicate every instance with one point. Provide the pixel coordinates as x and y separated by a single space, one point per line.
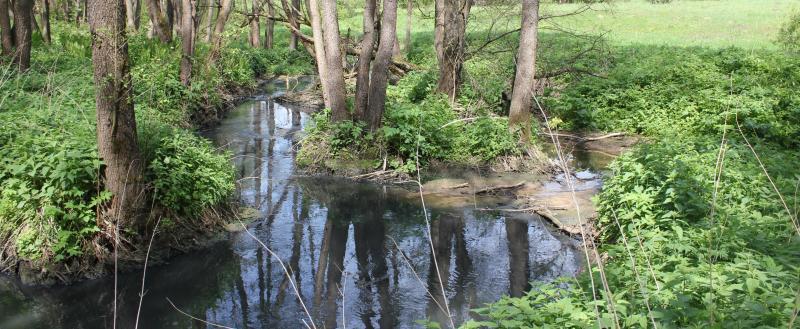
319 48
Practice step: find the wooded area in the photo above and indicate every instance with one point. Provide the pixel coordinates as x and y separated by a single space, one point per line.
105 154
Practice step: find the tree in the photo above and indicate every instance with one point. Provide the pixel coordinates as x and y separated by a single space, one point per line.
255 29
296 15
161 27
46 21
319 47
133 8
117 142
333 54
365 60
450 42
269 30
380 70
6 38
524 80
409 17
209 19
23 25
189 9
219 28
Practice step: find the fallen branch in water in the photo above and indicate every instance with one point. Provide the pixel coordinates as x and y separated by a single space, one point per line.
585 139
197 319
530 209
499 187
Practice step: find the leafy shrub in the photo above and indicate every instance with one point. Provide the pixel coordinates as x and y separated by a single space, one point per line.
189 176
789 35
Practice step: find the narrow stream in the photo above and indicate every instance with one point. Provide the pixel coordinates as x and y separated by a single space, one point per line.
358 252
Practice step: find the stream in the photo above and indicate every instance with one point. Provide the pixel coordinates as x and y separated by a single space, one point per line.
358 253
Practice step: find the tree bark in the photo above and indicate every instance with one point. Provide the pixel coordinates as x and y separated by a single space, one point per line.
319 48
116 122
380 68
296 14
409 17
169 10
269 30
519 112
450 42
219 28
209 21
132 11
364 61
5 29
188 8
159 23
46 21
333 54
23 26
255 28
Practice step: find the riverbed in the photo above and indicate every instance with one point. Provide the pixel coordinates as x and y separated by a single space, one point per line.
357 253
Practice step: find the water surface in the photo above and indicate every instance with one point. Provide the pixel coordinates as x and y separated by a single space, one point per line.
358 253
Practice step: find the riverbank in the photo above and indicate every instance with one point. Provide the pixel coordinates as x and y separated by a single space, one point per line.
49 231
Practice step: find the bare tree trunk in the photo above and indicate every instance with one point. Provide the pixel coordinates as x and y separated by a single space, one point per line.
255 28
131 11
46 21
188 8
319 48
209 20
449 41
5 29
269 30
409 17
219 28
333 54
519 113
296 14
158 21
78 12
380 69
364 61
116 122
171 16
23 25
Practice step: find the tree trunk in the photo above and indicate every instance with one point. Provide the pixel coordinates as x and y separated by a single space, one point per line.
380 69
449 41
364 61
319 48
169 10
255 28
46 21
296 13
519 112
269 30
131 11
409 17
188 8
209 20
23 25
333 54
116 122
158 21
5 29
219 28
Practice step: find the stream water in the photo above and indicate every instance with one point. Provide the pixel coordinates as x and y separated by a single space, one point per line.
358 253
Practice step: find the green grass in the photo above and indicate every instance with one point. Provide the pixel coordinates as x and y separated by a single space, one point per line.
740 23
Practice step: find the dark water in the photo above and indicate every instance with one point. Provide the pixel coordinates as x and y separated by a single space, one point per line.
350 249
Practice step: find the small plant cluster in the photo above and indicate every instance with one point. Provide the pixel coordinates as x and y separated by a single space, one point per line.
418 124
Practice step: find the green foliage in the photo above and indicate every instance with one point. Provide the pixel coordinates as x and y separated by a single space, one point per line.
789 35
189 176
660 91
